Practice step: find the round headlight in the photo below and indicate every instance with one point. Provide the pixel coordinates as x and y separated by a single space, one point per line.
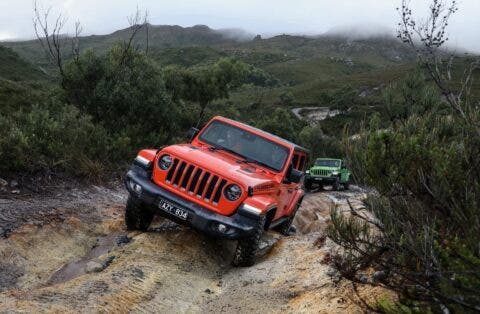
232 192
165 162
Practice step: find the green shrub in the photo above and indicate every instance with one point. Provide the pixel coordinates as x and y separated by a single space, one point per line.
426 230
50 137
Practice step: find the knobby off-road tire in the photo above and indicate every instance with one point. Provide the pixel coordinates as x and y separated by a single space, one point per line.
284 228
137 215
346 185
247 248
308 184
336 184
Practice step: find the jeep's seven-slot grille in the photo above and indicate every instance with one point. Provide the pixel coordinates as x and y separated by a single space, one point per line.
321 172
195 181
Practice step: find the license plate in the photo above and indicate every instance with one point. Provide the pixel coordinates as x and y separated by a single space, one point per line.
172 209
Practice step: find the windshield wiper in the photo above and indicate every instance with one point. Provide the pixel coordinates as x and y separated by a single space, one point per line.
216 147
253 161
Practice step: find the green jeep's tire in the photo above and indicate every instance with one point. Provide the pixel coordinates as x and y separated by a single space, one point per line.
346 185
336 184
137 215
247 248
308 184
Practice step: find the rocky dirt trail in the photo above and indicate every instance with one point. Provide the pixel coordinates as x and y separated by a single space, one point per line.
313 115
70 253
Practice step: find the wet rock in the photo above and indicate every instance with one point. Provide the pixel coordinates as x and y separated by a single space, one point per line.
123 239
108 261
94 267
363 278
9 274
137 272
267 242
334 275
16 191
13 183
379 276
3 182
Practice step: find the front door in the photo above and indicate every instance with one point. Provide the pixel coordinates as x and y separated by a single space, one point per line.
286 193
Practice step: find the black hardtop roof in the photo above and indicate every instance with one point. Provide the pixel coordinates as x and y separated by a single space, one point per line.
296 147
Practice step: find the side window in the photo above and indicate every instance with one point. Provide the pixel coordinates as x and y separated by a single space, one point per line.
295 161
302 163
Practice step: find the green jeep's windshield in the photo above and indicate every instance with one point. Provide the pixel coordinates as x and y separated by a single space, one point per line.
245 144
327 163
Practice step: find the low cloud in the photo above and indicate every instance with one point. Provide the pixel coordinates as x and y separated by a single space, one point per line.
361 31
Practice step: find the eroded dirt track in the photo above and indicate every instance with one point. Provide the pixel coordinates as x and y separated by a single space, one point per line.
48 244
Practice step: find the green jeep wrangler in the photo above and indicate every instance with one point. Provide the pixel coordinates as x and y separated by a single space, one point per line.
328 171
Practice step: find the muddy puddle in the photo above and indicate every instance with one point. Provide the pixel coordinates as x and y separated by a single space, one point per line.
78 267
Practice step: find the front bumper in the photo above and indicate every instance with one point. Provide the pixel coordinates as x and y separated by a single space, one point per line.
239 225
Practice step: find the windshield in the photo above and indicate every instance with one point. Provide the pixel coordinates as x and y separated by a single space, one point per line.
246 144
327 163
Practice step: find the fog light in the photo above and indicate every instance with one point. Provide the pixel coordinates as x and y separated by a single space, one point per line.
222 228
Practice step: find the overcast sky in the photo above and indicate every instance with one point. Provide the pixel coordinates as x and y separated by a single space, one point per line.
266 17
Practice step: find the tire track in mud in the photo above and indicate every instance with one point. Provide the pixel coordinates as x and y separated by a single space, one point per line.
130 298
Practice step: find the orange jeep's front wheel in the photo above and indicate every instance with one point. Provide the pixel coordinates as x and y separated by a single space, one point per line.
248 247
137 215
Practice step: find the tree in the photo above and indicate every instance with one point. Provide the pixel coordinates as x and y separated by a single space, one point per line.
420 230
428 37
320 145
51 39
281 123
124 91
205 84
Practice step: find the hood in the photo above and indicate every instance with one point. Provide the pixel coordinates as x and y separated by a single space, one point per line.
222 163
325 168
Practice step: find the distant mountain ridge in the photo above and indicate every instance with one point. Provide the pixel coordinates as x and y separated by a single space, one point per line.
233 40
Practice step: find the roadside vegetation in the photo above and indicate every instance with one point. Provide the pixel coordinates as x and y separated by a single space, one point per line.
421 235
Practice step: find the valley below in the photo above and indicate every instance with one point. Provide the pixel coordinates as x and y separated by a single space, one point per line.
71 253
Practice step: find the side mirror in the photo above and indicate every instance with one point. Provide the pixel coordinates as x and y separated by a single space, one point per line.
192 132
294 175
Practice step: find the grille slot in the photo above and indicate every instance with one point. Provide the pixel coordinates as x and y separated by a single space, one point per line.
218 193
179 173
202 184
194 182
187 176
172 170
211 186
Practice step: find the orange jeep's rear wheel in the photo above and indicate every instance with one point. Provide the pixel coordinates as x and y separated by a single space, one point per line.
248 247
284 228
137 215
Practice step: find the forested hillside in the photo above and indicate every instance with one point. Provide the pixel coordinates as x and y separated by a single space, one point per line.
192 73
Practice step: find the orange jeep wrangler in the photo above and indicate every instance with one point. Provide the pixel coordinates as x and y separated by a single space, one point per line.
232 181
